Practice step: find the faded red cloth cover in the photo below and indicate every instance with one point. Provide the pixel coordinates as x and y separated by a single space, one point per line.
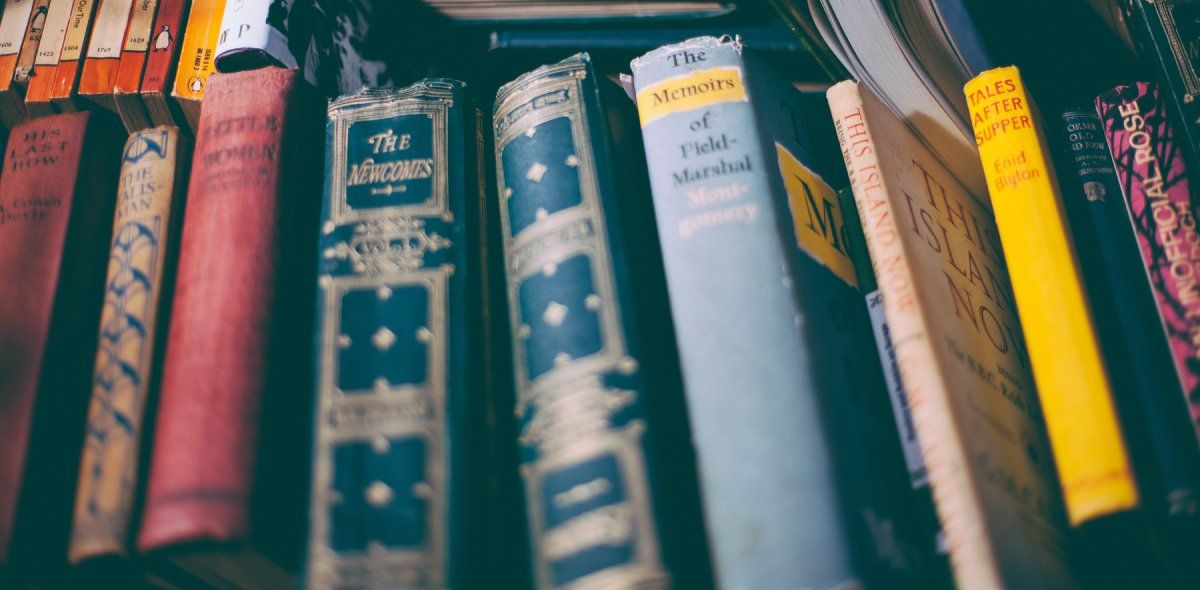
214 372
56 203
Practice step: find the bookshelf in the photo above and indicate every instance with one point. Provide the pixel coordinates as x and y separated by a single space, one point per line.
597 294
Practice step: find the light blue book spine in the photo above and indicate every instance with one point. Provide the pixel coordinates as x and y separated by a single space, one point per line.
766 470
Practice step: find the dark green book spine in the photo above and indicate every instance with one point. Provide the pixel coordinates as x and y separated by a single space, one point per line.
606 469
399 342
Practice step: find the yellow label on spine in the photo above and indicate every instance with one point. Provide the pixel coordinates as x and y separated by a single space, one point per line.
1072 382
817 216
700 88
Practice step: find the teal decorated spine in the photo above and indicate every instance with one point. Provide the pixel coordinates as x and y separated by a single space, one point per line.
606 470
399 342
803 481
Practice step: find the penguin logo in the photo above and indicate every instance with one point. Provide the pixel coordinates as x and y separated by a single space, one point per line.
163 39
39 19
196 84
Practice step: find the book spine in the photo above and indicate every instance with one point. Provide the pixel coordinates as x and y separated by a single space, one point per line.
250 36
962 517
129 330
1153 177
36 193
66 75
396 337
1068 367
582 378
1162 28
127 83
158 76
204 447
41 76
868 287
14 21
163 48
29 47
196 56
135 47
718 211
98 76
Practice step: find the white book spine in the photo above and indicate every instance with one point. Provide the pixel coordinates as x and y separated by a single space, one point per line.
247 25
13 24
57 18
108 30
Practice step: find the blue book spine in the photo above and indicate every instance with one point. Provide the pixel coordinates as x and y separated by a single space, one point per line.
800 467
604 502
398 341
1136 346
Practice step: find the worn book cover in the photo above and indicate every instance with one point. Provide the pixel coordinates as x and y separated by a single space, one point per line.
598 397
195 61
227 467
128 79
14 23
960 351
56 204
41 75
1055 312
98 75
153 173
742 172
400 375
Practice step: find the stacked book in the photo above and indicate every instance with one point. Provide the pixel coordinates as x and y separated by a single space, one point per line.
272 315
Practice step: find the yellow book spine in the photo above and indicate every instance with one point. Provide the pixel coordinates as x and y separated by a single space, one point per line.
198 49
1075 391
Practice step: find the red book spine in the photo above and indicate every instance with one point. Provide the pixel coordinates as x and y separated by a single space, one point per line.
214 372
52 235
165 36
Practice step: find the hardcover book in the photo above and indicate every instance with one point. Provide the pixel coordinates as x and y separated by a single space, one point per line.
14 23
56 205
400 371
154 93
961 355
98 76
224 467
195 61
153 171
1150 173
45 63
1055 314
742 169
128 79
609 492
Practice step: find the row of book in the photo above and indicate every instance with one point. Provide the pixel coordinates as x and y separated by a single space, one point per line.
149 60
759 394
